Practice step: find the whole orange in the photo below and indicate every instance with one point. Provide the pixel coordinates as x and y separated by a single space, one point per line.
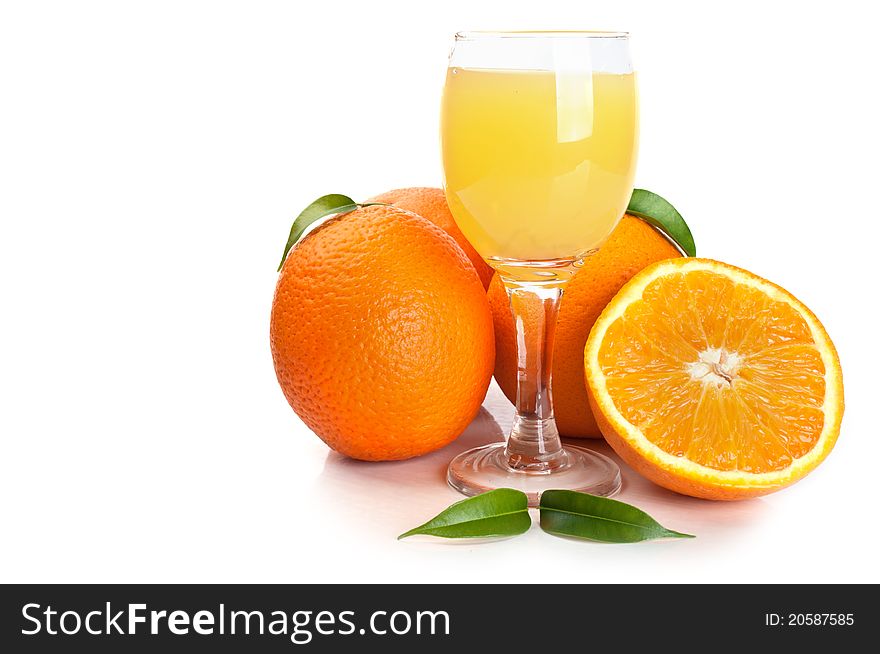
381 335
430 203
632 246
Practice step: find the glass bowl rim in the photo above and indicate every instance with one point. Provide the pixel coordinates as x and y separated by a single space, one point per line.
473 35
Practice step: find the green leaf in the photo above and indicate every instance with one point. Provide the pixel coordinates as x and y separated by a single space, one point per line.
501 512
656 211
326 205
570 513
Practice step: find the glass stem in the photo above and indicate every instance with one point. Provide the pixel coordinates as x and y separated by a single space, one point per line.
534 445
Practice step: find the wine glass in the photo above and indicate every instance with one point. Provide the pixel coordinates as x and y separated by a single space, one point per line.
540 134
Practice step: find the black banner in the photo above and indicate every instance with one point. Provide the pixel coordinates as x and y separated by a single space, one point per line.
334 618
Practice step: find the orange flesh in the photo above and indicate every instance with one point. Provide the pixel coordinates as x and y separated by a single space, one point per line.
717 372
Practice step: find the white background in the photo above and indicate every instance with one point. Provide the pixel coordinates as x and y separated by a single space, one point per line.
152 156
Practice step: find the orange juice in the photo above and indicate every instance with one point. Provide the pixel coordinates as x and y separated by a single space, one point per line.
539 164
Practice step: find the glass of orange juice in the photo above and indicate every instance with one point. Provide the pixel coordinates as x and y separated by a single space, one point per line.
540 135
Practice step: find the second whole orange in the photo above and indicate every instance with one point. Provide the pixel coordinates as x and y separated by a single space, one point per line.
632 246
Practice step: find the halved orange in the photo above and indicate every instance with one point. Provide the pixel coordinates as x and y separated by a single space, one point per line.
713 382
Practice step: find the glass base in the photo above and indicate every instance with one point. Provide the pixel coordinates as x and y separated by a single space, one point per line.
485 468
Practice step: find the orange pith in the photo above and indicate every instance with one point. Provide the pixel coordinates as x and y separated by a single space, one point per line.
713 381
